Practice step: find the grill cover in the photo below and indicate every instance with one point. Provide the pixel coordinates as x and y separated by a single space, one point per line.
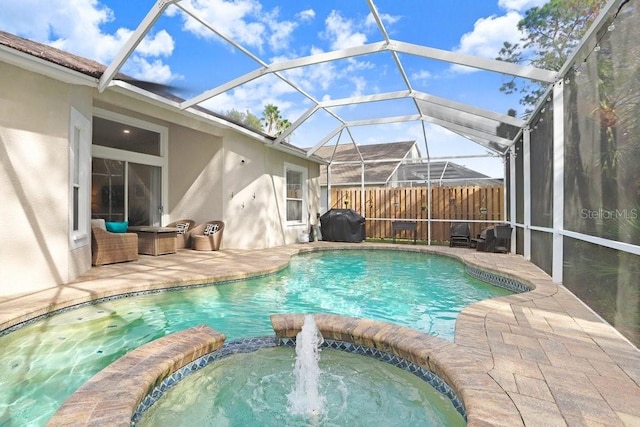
342 225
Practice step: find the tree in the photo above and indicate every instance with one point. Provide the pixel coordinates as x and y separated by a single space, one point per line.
253 121
273 121
270 117
551 33
281 126
246 118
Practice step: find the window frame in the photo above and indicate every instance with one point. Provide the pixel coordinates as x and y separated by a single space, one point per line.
303 177
79 179
160 161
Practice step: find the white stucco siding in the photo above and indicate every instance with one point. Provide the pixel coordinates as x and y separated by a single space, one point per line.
34 181
195 180
236 179
214 172
288 234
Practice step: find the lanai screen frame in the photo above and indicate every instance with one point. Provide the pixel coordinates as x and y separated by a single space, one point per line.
464 118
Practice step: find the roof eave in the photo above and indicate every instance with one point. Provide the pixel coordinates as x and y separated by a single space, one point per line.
135 92
298 152
47 68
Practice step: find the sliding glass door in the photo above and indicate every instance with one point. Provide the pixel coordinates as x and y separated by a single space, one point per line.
128 167
144 195
107 189
126 191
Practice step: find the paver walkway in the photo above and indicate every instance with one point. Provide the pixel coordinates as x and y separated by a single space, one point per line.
558 363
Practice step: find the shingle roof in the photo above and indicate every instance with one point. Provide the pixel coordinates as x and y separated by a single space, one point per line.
379 173
374 172
449 172
51 54
346 152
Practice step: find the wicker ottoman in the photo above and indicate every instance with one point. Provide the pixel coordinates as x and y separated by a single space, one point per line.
155 240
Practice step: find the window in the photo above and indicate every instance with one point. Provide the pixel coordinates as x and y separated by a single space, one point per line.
296 193
126 136
129 171
79 179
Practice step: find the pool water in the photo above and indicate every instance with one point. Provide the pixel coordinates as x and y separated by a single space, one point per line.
46 361
251 389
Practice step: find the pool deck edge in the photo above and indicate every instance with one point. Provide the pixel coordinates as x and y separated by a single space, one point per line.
112 395
543 350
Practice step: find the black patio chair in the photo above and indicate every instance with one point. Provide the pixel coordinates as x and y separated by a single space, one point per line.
502 234
460 234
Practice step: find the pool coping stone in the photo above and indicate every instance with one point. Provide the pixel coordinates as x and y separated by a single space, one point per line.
544 350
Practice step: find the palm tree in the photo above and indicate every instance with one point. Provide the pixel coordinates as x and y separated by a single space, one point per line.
271 116
281 126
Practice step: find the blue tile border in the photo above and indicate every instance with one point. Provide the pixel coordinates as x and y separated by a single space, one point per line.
126 295
249 345
478 273
497 280
426 375
246 345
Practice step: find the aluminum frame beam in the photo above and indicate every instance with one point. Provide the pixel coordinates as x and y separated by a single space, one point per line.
503 67
457 114
133 42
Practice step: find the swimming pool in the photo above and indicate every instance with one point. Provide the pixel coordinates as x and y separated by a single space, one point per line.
46 361
253 389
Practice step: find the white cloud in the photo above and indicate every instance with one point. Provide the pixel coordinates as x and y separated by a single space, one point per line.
354 65
231 18
153 71
243 21
341 32
325 76
489 34
46 21
318 76
253 96
75 26
306 15
488 37
159 44
520 5
281 31
359 83
387 20
422 75
312 78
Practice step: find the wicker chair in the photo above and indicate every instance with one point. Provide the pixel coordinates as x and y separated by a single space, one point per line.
207 242
184 227
109 248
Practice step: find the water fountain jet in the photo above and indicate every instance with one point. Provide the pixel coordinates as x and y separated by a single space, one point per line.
305 399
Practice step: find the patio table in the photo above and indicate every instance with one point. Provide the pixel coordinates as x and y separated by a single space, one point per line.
155 240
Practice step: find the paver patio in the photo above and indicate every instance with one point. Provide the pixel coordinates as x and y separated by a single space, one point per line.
558 362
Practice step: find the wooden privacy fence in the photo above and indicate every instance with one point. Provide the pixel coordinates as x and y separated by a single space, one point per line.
383 205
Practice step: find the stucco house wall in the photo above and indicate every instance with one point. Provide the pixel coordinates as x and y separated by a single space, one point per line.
207 178
254 195
214 173
34 180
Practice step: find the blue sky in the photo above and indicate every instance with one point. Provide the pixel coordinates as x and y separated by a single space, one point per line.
183 53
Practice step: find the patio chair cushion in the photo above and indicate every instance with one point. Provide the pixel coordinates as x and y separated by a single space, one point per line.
211 229
183 227
117 226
